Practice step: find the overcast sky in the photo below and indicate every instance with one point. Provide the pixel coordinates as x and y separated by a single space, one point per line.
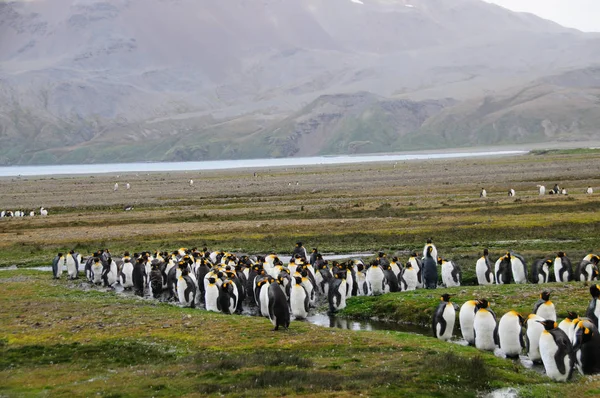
580 14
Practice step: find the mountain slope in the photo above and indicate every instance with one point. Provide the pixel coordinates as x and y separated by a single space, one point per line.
89 80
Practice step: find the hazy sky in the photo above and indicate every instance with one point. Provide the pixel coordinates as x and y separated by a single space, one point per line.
580 14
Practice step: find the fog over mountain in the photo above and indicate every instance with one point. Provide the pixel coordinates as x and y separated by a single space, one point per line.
126 80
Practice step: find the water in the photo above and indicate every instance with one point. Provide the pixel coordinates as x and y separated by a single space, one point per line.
14 171
333 321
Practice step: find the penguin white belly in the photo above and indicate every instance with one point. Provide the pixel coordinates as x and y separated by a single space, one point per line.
349 283
547 311
518 270
310 291
126 279
415 265
297 300
411 279
466 317
360 281
375 278
484 326
211 296
71 267
181 288
395 268
342 290
558 271
534 331
548 349
148 267
264 300
447 278
499 281
567 326
112 275
597 309
481 270
97 273
509 332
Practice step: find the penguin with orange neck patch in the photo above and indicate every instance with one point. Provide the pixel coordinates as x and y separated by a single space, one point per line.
556 352
593 310
279 310
586 347
186 289
544 307
444 318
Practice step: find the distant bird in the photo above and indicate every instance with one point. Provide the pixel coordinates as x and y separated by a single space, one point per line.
116 187
43 212
31 213
556 189
511 192
563 192
127 186
589 190
542 190
483 193
128 208
191 182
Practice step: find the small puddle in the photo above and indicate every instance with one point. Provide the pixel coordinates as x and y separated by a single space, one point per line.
332 321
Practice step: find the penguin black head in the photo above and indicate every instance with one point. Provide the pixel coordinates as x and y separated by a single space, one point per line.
560 254
482 303
440 260
395 259
360 267
374 263
96 260
59 254
545 296
298 280
212 281
595 291
381 254
429 241
185 272
413 254
572 315
549 324
549 262
315 250
445 297
429 249
298 243
595 260
485 252
71 251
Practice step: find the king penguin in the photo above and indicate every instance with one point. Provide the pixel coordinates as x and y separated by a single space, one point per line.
466 317
518 267
376 279
279 310
556 351
534 331
211 294
72 265
96 271
186 289
433 251
451 273
485 328
299 299
587 270
444 319
417 264
510 334
409 280
336 296
502 270
540 271
563 271
430 274
586 347
57 265
544 307
483 269
125 276
569 324
227 301
593 310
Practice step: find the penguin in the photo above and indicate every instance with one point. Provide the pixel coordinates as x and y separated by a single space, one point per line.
483 269
593 310
125 275
563 271
337 293
540 271
511 192
324 276
96 271
211 294
156 280
227 300
589 190
308 285
264 295
397 267
300 250
186 289
57 265
542 190
568 324
466 317
586 347
434 253
279 310
502 270
138 277
532 337
444 318
361 280
313 256
430 273
375 278
351 288
510 334
299 299
417 264
587 270
544 307
556 352
72 265
110 273
391 278
483 193
518 268
485 329
451 273
409 280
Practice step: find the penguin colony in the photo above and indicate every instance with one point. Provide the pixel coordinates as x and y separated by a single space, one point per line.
556 190
222 282
574 343
21 213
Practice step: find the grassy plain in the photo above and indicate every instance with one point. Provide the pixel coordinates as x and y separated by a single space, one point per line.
59 339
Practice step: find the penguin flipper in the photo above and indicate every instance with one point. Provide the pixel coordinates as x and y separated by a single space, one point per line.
537 305
496 337
521 340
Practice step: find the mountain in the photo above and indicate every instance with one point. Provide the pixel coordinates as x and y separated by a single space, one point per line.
126 80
